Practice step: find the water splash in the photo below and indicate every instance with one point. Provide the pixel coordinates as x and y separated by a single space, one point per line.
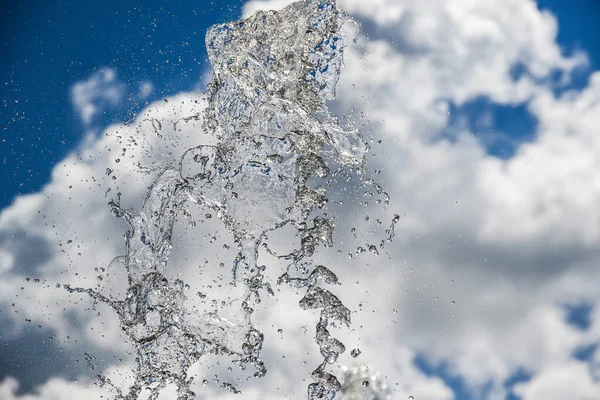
273 74
363 383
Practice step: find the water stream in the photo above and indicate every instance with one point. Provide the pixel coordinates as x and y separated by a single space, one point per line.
277 150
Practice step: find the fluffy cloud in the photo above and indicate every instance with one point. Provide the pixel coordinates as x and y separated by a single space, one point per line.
101 89
488 251
55 389
566 380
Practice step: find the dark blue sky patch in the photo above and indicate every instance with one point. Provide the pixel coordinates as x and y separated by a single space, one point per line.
456 383
585 353
578 79
519 376
558 81
501 129
579 315
461 389
578 31
578 27
518 70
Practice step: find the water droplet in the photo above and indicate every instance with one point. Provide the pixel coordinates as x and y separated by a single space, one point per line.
254 179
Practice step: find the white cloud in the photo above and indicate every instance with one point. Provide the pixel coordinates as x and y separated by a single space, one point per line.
569 380
55 389
146 88
103 91
251 7
100 90
7 260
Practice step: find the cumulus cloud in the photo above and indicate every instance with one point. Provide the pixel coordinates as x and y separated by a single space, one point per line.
103 91
555 382
99 90
488 251
60 389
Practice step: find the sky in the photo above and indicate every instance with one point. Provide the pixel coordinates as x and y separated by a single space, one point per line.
488 115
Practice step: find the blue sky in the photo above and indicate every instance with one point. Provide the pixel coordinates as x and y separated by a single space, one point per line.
49 46
578 26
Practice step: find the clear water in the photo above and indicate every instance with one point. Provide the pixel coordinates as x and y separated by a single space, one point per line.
276 150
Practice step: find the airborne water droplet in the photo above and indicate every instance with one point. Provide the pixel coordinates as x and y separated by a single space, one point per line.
273 135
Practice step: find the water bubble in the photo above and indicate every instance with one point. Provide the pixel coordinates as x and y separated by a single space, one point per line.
373 249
